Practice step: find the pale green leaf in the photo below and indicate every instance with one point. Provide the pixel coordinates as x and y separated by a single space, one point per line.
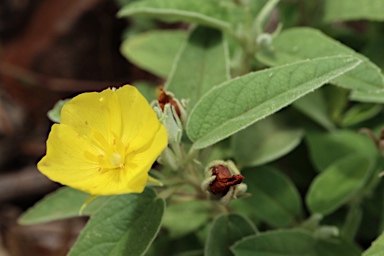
155 50
307 43
201 64
181 219
369 97
277 243
54 113
225 231
63 203
360 113
214 13
266 140
239 102
338 184
376 248
126 225
337 10
327 148
274 197
314 106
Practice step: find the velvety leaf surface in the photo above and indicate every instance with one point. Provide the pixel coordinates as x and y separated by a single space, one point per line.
225 231
154 51
274 198
208 65
239 102
126 225
327 148
63 203
337 184
266 140
353 10
306 43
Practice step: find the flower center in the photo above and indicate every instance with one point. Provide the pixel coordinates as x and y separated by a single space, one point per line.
116 160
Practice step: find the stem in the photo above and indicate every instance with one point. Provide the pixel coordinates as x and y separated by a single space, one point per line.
352 222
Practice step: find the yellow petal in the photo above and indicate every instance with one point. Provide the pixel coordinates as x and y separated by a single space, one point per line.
94 111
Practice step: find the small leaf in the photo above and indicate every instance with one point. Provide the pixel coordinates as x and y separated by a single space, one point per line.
239 102
336 247
61 204
126 225
225 231
54 113
201 64
369 97
360 113
266 140
154 51
339 183
276 243
274 197
327 148
210 13
353 10
314 106
377 247
181 219
297 44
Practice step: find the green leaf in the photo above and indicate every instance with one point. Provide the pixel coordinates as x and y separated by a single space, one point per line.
314 106
239 102
369 97
154 51
336 247
339 183
276 243
377 247
147 89
225 231
61 204
266 140
353 10
327 148
360 113
274 198
54 113
181 219
306 43
201 64
214 13
126 225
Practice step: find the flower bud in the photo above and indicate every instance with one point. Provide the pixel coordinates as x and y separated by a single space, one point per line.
223 181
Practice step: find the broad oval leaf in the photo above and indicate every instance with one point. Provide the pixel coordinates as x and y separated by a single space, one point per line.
212 13
338 183
125 225
266 140
353 10
277 243
239 102
274 198
377 247
327 148
201 64
306 43
225 231
63 203
154 51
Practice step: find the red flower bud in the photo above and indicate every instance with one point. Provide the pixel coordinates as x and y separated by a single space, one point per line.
165 98
224 180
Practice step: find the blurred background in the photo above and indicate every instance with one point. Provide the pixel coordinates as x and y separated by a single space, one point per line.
49 50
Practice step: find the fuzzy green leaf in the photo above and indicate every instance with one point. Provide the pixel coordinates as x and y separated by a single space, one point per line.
201 64
63 203
214 13
338 184
126 225
266 140
353 10
276 243
306 43
225 231
327 148
377 247
239 102
274 198
155 50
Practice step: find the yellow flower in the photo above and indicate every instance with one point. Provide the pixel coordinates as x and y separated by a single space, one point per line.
105 144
